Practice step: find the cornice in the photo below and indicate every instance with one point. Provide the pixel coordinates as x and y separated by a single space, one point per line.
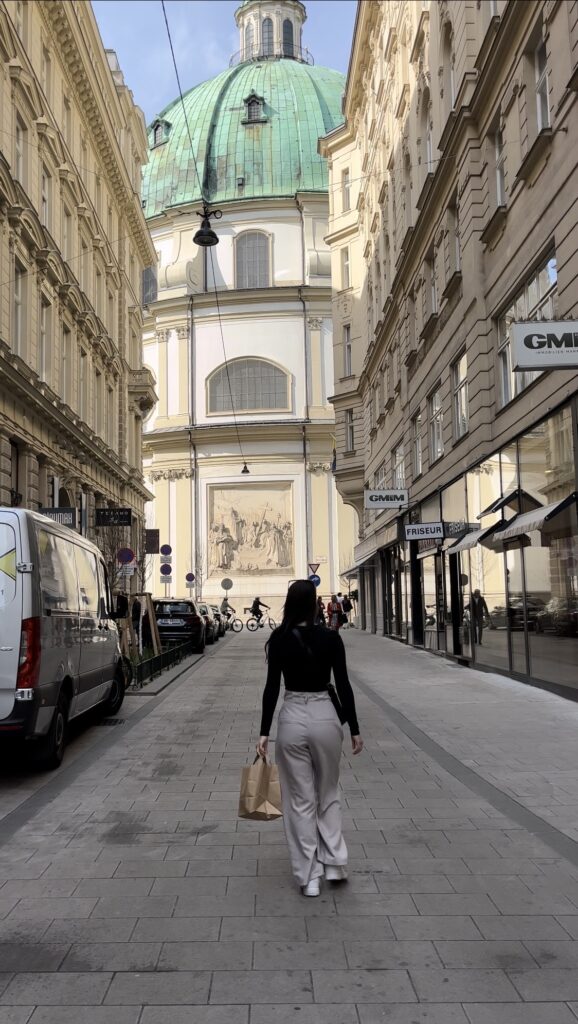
217 433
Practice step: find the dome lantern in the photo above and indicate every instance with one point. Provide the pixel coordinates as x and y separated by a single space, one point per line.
270 30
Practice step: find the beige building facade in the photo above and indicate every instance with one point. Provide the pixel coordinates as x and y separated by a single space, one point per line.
73 247
454 217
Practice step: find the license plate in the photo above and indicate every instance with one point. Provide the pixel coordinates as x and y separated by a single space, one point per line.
171 622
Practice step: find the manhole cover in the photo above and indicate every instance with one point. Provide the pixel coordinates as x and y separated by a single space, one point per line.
112 721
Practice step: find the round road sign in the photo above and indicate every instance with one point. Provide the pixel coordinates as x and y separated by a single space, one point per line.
166 549
125 555
227 584
315 580
190 577
166 570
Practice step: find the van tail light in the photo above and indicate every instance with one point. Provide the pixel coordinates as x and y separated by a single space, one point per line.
192 620
29 659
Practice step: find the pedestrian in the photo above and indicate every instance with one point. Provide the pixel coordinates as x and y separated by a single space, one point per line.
309 737
346 607
334 613
480 615
320 613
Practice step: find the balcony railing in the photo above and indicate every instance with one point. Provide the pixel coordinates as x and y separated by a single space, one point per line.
256 52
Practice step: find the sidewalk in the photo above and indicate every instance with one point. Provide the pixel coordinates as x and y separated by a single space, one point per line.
132 893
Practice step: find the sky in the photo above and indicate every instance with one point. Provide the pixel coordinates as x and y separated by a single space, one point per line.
204 37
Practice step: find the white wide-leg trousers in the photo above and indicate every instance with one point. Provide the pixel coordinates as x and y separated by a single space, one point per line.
307 751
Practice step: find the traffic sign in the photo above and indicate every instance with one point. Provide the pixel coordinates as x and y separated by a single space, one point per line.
166 549
166 579
166 570
125 555
313 567
227 584
190 577
190 585
315 580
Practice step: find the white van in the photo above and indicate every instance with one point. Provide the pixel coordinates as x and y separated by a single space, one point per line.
59 644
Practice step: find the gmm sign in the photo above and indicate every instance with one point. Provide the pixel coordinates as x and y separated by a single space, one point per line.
377 500
545 345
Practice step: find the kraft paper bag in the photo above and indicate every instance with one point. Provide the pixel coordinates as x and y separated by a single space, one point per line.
260 797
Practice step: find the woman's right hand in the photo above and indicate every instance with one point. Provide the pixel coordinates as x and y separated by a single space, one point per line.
262 746
356 744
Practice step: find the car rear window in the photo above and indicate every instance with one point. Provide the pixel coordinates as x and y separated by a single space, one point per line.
174 608
7 564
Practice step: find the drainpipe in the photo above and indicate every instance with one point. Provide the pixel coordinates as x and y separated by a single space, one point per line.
307 398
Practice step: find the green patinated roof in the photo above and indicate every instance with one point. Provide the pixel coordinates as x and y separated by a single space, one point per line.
277 157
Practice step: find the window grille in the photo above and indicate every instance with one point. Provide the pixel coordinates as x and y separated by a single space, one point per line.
347 362
255 384
398 467
252 260
436 419
536 301
460 383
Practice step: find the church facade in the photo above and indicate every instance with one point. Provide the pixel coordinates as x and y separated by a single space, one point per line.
239 449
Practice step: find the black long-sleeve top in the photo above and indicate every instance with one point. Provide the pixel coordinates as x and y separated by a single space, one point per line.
306 668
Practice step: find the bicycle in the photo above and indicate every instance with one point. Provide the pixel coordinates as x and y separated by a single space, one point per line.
253 623
236 625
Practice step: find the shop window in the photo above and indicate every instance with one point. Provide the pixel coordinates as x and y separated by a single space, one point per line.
267 36
460 390
436 425
347 361
416 428
536 301
345 190
248 385
398 460
349 431
542 98
252 260
345 277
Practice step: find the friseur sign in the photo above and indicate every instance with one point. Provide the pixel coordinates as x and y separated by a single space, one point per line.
545 345
378 500
424 531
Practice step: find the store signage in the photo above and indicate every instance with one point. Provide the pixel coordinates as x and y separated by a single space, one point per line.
64 516
377 500
424 531
545 345
113 516
152 542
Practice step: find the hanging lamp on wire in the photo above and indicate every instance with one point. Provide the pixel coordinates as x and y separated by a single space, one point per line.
205 236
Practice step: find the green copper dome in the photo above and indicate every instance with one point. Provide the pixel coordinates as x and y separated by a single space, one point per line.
254 128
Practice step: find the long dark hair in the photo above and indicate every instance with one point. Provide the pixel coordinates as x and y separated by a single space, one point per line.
300 606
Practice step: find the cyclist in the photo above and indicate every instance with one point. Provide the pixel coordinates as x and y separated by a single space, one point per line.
227 609
256 610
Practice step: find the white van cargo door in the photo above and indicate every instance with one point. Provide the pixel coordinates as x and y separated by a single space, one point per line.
10 609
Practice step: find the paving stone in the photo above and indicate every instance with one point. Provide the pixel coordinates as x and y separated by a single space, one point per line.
195 1015
214 906
43 956
520 926
173 929
555 985
283 1014
287 904
20 888
388 955
457 904
289 929
526 1013
47 909
507 955
314 955
17 1014
90 930
445 985
438 927
168 988
207 956
112 956
258 986
413 883
79 1014
363 986
36 989
136 906
447 1013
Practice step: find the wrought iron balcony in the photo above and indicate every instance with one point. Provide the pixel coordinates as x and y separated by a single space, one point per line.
256 52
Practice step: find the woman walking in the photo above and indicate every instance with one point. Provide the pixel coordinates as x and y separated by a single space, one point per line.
334 614
320 613
309 737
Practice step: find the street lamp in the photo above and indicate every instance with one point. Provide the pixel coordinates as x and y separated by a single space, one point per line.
205 236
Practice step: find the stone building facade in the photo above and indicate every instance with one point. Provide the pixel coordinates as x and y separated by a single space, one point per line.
454 215
73 247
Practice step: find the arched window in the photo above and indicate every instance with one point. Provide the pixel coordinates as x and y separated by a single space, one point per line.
159 134
254 384
288 48
252 260
267 32
249 37
254 109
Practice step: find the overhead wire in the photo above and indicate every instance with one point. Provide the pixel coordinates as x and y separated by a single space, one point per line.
219 317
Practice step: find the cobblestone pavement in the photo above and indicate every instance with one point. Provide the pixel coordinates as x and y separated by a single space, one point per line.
130 893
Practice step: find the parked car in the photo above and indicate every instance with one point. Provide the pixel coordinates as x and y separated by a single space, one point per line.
179 621
59 644
221 621
559 616
211 625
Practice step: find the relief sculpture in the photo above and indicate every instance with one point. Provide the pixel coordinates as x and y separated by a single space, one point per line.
251 529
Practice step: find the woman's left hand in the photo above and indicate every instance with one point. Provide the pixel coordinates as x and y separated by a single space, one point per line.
262 746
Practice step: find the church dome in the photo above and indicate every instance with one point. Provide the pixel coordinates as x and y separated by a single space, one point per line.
254 130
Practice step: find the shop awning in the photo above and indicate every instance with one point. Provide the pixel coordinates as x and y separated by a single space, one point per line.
539 519
429 552
468 541
519 500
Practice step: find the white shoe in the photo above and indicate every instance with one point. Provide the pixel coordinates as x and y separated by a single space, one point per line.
335 874
313 888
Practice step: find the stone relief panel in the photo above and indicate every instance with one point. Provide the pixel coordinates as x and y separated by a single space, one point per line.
250 529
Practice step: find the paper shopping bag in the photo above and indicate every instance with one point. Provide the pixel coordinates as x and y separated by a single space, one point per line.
260 797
